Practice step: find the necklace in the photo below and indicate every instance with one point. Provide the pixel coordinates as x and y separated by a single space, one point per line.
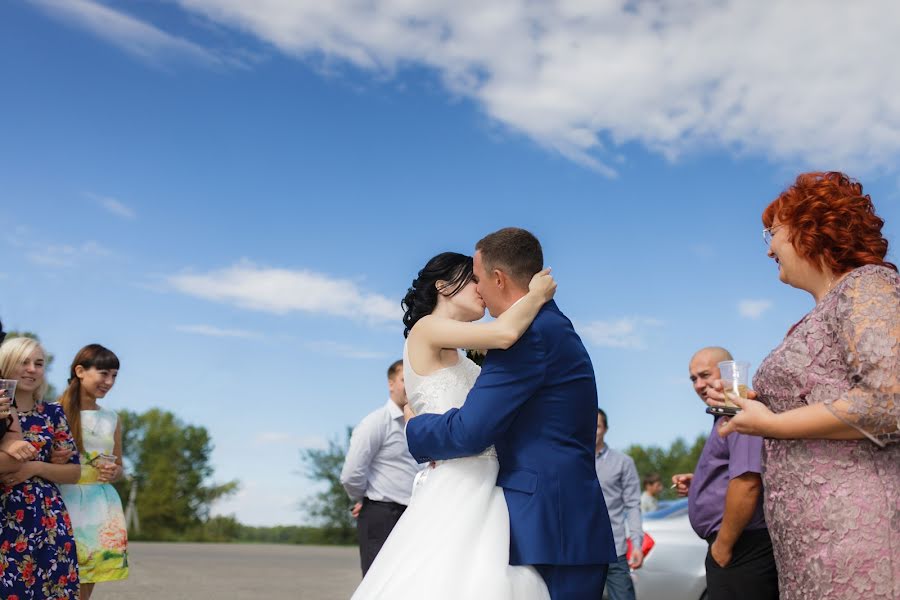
96 423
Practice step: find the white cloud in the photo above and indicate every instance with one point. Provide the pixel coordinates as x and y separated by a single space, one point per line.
211 331
282 291
343 350
628 332
116 207
703 251
142 40
812 81
282 439
753 309
264 503
65 255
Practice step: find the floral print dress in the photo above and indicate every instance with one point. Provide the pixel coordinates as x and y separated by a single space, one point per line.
37 547
833 506
95 507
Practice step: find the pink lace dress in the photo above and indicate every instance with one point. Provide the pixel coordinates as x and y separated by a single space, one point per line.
833 507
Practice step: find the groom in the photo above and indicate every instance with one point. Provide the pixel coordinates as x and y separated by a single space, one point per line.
536 404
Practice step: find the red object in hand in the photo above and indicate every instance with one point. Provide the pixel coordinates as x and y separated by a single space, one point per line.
646 546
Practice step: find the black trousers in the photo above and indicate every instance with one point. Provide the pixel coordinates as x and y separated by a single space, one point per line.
751 574
374 525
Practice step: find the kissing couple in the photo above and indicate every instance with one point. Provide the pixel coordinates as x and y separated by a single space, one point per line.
511 508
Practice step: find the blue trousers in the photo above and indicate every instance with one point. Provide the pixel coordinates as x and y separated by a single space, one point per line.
574 582
618 581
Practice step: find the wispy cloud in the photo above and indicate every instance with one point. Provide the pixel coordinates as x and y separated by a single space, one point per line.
627 332
703 251
753 309
116 207
344 350
64 255
211 331
583 78
282 291
142 40
283 438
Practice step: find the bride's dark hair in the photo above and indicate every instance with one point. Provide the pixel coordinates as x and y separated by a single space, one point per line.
454 269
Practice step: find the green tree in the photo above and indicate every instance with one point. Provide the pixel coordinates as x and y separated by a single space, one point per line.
330 508
678 458
171 463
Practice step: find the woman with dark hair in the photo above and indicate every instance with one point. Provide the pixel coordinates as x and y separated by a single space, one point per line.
94 505
828 398
453 540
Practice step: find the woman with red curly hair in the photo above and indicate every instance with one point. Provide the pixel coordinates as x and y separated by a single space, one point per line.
828 398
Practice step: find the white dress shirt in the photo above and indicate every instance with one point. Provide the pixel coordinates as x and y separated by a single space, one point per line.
378 464
622 491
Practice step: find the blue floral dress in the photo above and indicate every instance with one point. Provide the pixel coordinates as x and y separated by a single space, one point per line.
37 547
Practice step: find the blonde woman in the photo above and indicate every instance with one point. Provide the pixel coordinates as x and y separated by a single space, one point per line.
94 504
37 547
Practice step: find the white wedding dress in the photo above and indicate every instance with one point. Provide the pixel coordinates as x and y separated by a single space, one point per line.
452 543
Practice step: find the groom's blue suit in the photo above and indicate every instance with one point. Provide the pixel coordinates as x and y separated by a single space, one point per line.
536 403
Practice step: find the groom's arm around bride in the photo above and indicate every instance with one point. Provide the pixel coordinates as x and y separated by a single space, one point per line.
535 402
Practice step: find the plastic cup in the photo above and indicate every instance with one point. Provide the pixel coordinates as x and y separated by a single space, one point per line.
7 390
735 376
106 459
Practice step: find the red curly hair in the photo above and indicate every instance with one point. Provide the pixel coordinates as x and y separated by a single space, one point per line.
831 222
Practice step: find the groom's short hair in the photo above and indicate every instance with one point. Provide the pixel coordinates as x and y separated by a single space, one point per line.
514 251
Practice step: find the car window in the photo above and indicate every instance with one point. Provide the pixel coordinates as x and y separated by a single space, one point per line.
669 509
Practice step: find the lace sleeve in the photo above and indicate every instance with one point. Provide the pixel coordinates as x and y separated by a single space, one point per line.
869 332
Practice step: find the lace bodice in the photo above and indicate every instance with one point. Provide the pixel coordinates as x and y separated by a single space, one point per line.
443 389
832 505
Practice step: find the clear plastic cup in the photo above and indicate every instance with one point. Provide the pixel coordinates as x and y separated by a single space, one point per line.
7 390
735 375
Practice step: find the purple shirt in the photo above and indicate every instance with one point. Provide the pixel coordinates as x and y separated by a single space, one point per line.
722 460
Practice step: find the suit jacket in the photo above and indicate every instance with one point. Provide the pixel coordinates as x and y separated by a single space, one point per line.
537 404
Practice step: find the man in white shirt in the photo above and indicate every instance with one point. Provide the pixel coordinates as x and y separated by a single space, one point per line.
379 471
652 489
622 492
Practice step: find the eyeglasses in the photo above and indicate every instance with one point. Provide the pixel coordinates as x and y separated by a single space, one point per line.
769 233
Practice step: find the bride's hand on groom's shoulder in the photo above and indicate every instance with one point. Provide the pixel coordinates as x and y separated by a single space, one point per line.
407 413
543 284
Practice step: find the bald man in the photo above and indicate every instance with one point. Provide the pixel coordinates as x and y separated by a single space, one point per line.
725 503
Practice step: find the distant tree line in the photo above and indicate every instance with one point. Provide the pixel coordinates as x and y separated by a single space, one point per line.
170 463
329 508
677 458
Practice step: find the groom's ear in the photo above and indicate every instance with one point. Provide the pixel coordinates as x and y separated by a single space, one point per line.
501 279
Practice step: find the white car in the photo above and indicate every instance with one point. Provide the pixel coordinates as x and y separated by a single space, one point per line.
675 566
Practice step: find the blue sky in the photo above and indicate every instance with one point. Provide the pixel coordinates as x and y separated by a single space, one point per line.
235 201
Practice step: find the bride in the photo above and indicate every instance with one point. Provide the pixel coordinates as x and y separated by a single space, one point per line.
453 541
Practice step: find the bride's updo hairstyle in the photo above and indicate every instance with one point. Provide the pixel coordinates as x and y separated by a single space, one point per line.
452 268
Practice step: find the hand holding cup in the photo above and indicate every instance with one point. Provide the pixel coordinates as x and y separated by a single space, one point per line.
755 418
107 468
7 394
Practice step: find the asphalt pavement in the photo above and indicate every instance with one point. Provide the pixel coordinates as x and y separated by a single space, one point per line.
235 572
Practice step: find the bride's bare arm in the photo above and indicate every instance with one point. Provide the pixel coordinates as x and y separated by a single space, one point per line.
503 332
